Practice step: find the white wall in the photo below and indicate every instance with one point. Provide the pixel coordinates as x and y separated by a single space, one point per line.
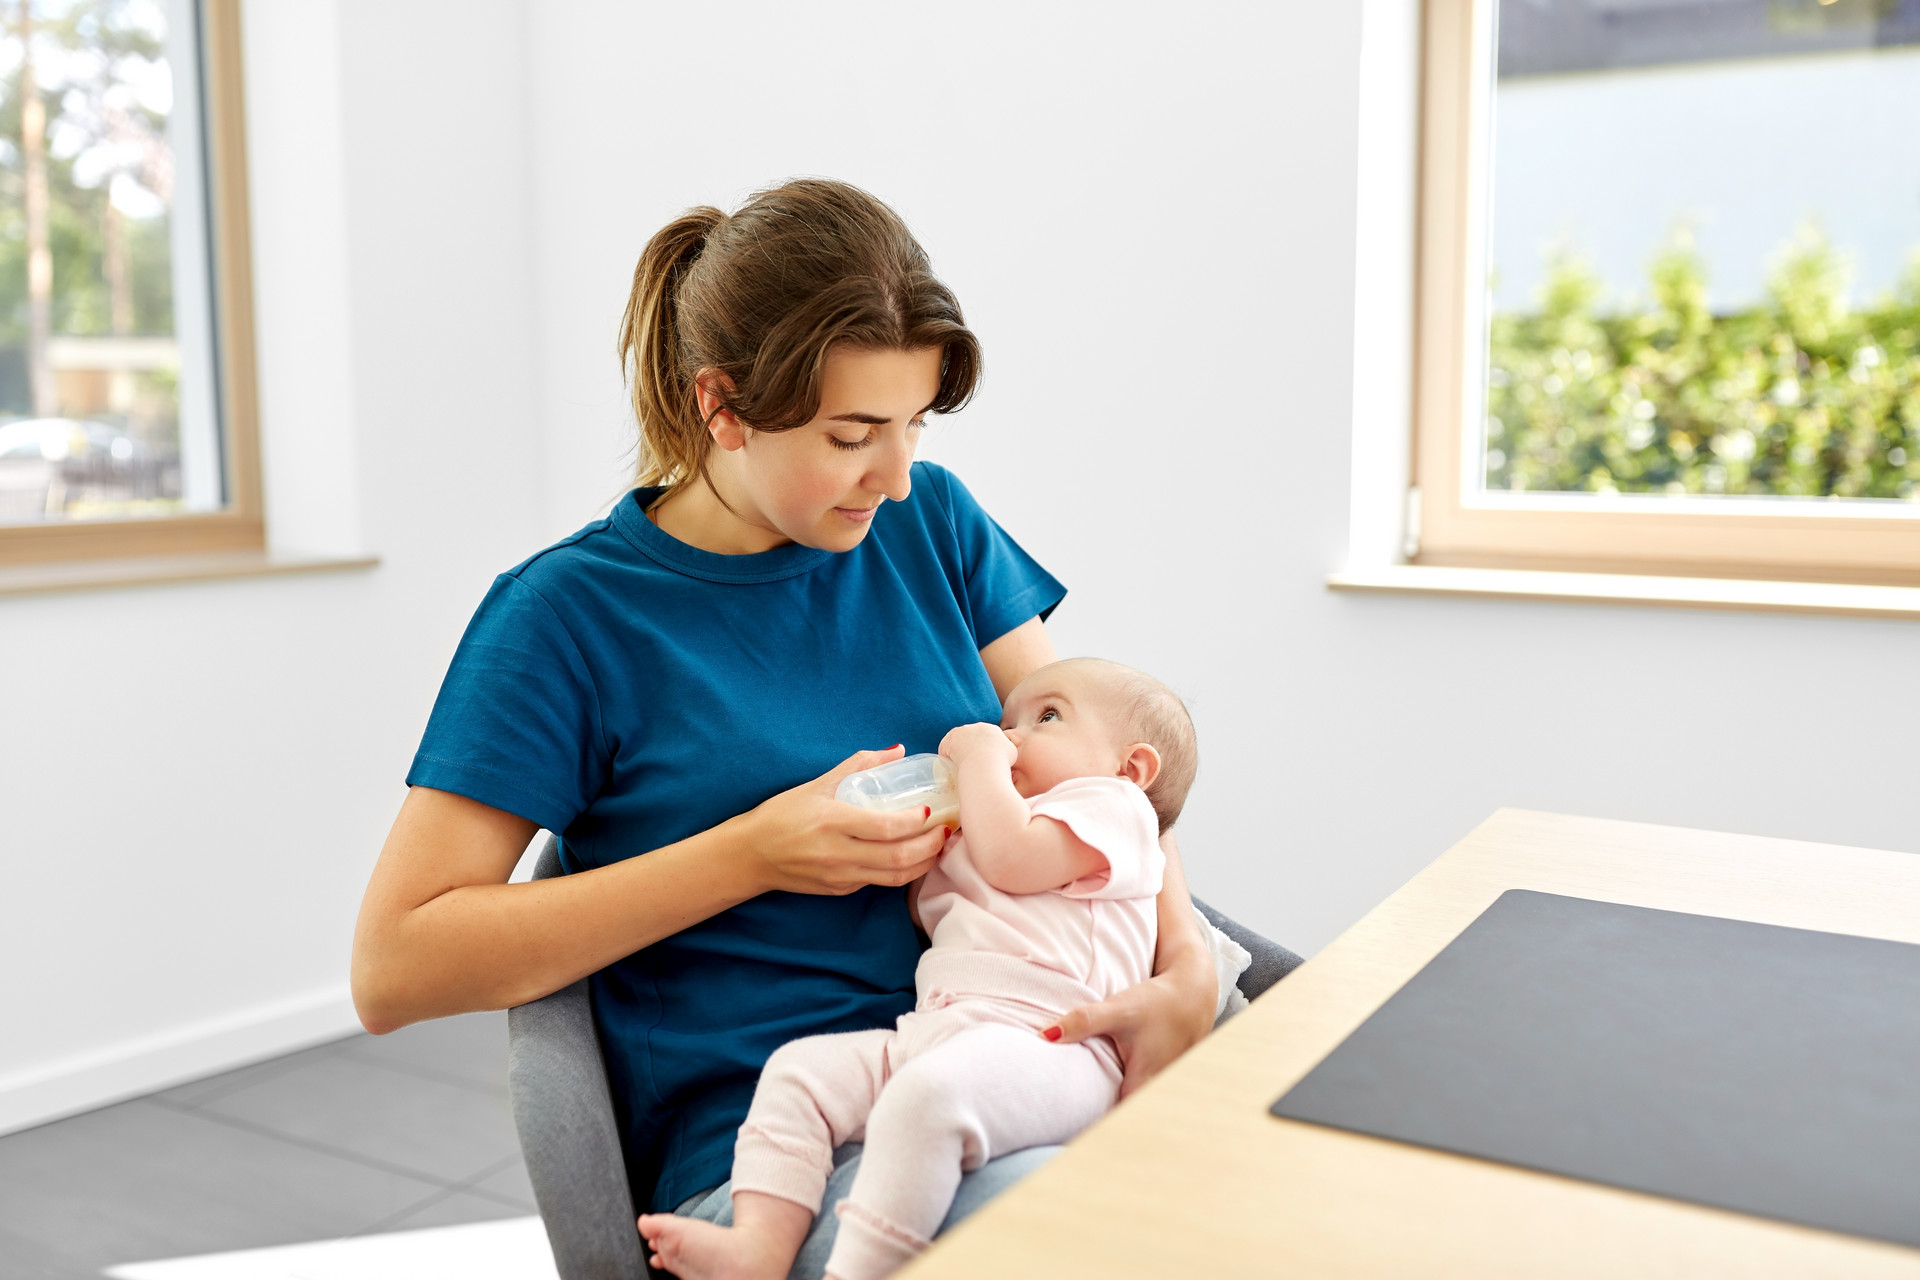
194 780
1149 214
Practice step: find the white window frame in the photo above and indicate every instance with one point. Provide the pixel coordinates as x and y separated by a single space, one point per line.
1805 540
239 525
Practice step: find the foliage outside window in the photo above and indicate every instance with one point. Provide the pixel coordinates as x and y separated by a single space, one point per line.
1801 396
1717 373
108 402
1803 391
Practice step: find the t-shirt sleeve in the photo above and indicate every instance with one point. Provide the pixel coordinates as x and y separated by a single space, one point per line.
1116 819
1005 586
517 723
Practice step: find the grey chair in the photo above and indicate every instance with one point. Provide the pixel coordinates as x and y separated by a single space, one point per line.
564 1112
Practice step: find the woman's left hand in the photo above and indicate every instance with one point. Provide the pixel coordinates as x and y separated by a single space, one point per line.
1158 1020
1151 1024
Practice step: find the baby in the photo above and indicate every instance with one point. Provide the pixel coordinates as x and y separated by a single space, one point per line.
1041 902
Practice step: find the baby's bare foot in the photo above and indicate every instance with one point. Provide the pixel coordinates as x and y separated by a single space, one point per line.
696 1250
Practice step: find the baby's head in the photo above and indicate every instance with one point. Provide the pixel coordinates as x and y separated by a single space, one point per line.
1086 718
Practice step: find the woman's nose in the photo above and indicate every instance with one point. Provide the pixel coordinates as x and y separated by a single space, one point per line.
892 470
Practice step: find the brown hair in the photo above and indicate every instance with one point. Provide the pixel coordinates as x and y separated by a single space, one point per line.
1148 711
761 297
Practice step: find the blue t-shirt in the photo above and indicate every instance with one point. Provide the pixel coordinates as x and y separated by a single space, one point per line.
626 690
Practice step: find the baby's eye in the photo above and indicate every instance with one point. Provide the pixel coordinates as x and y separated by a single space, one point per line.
1048 714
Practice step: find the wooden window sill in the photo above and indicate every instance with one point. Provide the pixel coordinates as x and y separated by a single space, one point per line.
1846 599
146 571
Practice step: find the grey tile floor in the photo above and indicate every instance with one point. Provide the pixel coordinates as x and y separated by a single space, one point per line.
354 1137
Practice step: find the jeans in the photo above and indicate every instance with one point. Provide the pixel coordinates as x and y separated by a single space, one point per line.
976 1188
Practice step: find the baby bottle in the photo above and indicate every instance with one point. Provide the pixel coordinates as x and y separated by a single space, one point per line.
905 784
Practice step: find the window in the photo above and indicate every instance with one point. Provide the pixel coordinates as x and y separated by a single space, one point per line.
1669 288
127 423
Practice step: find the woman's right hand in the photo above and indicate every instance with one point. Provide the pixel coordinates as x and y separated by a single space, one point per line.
808 842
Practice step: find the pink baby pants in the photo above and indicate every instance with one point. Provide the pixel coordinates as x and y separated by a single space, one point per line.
949 1090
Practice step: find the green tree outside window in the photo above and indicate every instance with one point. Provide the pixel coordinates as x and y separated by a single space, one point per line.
1799 396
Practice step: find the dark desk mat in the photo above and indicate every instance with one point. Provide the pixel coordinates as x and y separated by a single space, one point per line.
1771 1071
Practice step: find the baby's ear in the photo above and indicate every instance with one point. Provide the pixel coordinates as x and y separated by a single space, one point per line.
1141 765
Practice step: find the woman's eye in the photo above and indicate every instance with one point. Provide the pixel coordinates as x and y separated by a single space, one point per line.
861 443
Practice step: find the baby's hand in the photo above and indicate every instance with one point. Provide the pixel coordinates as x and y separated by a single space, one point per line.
969 739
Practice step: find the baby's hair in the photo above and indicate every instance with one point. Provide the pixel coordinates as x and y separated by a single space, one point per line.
1152 713
761 296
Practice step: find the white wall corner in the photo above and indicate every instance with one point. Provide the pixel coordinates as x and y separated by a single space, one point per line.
1386 225
303 323
83 1082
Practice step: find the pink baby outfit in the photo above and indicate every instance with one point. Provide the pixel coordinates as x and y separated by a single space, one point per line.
966 1077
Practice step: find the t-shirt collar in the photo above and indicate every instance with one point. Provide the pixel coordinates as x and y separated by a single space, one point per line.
630 517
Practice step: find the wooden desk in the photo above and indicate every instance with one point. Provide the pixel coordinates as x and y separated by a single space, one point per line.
1192 1176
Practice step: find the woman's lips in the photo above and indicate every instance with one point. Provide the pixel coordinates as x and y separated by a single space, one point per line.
859 514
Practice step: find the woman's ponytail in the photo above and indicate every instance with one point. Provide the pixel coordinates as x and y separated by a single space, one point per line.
673 439
761 298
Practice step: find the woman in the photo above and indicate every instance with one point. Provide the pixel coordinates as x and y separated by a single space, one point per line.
689 678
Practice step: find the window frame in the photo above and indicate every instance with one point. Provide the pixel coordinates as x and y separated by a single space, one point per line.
241 525
1811 540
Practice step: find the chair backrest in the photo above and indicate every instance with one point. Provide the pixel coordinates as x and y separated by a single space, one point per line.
1271 961
547 864
568 1133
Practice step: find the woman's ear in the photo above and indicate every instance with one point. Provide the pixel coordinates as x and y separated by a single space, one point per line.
709 386
1141 765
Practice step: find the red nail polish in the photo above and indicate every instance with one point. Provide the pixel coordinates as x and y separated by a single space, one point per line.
1051 1033
926 811
894 747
